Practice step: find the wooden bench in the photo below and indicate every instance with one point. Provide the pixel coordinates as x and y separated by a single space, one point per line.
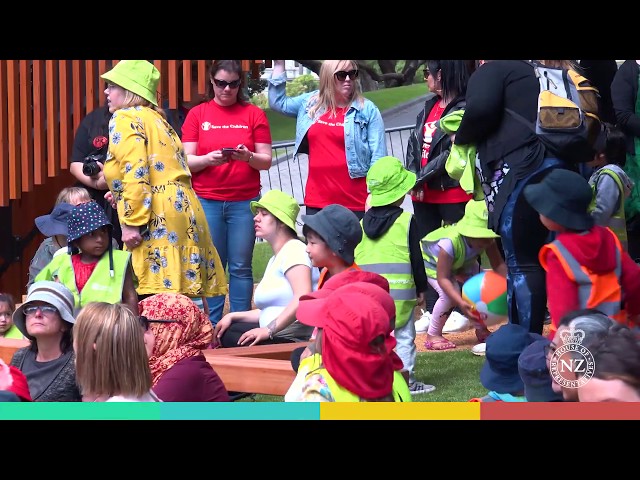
263 369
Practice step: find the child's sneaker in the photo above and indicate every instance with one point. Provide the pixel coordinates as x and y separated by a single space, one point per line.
416 388
479 349
456 323
422 324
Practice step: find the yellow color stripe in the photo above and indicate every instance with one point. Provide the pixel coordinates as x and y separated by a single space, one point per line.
400 411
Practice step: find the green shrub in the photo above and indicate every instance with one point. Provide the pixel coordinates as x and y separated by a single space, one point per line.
260 101
302 84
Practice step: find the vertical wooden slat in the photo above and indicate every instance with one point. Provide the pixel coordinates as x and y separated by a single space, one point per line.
26 124
246 65
268 63
203 76
90 85
53 136
39 139
4 141
161 65
77 93
13 133
172 83
102 68
66 128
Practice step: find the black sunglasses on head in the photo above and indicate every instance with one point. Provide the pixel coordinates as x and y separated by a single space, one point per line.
144 321
342 74
224 84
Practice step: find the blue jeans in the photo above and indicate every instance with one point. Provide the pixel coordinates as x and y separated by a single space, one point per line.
234 236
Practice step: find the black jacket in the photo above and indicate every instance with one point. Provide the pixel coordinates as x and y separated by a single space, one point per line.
433 172
624 94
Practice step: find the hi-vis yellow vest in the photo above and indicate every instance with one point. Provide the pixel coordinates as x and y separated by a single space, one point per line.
618 222
400 392
389 256
459 249
100 287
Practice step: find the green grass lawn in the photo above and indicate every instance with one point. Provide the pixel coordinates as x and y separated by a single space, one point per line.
283 128
455 375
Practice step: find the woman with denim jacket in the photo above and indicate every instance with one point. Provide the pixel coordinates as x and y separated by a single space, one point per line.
341 132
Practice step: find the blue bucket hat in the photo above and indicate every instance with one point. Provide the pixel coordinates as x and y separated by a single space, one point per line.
500 369
532 365
55 223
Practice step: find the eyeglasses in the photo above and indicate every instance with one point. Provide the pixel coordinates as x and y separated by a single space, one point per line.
144 321
224 84
426 73
45 309
342 74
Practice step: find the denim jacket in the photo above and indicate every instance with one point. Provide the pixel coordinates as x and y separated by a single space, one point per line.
364 135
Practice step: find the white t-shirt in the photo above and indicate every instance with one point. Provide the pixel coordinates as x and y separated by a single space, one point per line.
274 291
148 397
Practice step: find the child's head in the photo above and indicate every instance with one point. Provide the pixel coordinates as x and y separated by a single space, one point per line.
611 147
388 181
89 229
73 196
332 233
473 225
500 369
7 307
562 200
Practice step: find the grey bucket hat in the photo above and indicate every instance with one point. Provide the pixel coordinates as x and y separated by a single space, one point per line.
53 293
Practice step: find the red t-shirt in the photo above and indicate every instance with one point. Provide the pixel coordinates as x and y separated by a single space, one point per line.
214 127
82 271
450 195
328 180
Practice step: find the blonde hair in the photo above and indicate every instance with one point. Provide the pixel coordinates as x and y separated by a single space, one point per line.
73 196
134 100
326 96
111 358
572 64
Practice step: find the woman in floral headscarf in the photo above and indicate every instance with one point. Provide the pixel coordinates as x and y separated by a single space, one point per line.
176 333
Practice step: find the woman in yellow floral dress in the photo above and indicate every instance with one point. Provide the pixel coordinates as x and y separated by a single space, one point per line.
163 224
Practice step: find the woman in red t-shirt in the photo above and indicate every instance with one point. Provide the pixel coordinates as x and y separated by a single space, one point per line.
228 141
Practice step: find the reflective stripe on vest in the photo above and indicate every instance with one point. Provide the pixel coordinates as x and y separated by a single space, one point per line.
608 285
459 249
389 256
400 389
618 221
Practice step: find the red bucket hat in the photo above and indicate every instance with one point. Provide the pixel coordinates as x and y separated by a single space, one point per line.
19 386
352 317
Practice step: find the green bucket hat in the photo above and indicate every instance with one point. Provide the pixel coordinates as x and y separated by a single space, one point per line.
474 222
388 181
138 76
281 205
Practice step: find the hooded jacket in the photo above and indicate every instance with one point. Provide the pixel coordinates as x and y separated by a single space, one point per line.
595 250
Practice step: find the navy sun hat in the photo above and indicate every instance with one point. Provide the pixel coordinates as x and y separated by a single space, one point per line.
500 369
86 218
55 223
339 227
532 365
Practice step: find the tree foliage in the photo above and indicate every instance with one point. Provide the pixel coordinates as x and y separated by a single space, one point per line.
373 73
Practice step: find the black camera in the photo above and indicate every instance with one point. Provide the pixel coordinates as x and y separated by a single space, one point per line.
90 165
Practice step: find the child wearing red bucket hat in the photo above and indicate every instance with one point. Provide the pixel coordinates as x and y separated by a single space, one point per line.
355 346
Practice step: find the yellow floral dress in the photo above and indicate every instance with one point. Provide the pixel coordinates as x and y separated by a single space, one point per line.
146 170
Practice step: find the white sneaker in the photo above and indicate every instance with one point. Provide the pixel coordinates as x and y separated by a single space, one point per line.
422 324
456 323
479 349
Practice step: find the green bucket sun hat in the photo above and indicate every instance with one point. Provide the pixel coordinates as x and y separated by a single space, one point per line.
388 181
281 205
474 222
138 76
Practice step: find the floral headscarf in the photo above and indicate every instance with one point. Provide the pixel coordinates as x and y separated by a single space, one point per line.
186 337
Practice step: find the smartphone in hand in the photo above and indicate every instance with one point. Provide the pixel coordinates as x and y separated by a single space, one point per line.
228 151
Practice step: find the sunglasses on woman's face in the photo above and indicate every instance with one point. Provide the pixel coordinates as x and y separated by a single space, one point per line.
224 84
44 309
342 74
144 321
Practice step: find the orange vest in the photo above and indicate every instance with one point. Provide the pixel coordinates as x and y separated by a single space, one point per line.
600 291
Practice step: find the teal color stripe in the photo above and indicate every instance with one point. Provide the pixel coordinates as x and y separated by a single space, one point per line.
79 411
159 411
240 411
